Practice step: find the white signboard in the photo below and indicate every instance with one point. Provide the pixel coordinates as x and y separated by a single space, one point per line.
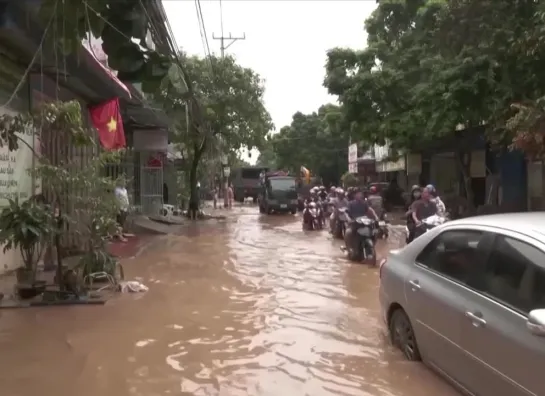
15 179
352 153
381 152
353 168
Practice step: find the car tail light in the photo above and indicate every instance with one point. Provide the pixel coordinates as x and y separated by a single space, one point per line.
380 267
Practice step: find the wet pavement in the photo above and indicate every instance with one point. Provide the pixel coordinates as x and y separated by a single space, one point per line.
250 306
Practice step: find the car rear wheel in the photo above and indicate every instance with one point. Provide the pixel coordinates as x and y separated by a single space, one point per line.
402 335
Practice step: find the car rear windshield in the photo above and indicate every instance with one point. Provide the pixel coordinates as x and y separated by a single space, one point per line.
250 173
283 184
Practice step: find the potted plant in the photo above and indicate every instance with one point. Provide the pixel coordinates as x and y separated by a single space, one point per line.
24 226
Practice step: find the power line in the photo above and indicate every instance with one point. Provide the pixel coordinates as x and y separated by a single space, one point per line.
221 16
33 60
222 37
198 4
204 36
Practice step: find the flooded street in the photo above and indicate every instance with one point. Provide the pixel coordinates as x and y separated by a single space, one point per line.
252 306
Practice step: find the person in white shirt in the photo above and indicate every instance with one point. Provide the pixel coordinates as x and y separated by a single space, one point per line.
122 197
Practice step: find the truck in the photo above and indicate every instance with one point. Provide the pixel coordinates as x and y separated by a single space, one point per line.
278 194
246 182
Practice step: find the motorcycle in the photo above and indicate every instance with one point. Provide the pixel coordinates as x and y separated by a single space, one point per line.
338 229
383 230
426 224
322 208
311 217
360 240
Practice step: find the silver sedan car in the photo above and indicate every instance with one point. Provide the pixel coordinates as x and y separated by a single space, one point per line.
468 298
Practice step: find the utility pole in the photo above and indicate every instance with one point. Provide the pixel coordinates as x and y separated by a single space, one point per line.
225 166
231 40
224 159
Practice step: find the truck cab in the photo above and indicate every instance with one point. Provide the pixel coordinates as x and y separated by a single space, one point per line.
278 194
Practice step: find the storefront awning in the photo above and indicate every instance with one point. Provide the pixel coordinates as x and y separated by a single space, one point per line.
22 30
110 74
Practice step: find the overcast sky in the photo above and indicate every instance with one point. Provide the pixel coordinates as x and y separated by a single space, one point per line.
286 42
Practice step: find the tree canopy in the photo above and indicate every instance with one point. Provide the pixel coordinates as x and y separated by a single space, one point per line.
317 141
267 156
432 66
231 113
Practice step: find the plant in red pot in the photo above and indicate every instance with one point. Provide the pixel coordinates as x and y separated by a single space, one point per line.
25 226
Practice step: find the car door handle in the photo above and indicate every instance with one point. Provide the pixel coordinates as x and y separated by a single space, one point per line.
415 285
477 320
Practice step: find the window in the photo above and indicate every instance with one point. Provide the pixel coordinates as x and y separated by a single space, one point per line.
250 173
282 184
458 255
513 275
538 290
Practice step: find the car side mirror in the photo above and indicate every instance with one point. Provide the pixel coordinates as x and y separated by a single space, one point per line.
536 322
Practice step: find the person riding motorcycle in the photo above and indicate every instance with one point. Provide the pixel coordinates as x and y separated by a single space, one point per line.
322 193
422 209
331 199
313 197
340 202
441 208
350 194
374 199
416 193
358 208
316 197
322 203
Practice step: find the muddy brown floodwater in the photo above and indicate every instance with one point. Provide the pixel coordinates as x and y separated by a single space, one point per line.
253 306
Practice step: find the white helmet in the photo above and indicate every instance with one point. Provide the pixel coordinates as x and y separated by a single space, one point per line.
339 190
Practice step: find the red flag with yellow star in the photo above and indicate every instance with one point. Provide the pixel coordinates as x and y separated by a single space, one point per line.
106 118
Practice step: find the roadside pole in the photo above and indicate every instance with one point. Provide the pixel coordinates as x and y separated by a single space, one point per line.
224 163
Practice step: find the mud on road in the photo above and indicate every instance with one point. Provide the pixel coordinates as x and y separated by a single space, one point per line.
250 306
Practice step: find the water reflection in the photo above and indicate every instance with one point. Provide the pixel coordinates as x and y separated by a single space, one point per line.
252 307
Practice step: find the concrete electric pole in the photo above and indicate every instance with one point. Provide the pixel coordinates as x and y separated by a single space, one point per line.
223 46
226 42
229 39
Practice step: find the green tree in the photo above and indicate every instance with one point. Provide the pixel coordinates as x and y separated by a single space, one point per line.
432 66
318 141
230 113
267 156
